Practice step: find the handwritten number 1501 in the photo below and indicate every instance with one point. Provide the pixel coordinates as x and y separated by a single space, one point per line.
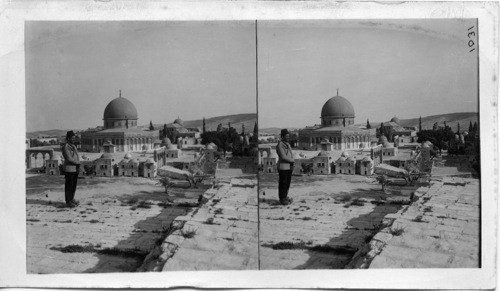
471 35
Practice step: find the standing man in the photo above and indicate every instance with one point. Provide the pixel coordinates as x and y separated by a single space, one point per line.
285 166
71 169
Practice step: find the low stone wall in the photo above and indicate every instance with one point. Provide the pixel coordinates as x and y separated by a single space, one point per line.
172 172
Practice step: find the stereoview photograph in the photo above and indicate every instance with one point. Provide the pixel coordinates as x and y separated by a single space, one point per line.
369 144
141 146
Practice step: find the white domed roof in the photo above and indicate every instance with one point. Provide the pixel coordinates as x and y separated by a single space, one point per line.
345 154
127 156
106 156
367 159
273 155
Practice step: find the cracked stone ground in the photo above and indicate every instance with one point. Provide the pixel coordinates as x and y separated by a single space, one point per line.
118 222
331 217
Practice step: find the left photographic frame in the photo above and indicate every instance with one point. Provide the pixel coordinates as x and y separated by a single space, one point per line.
164 118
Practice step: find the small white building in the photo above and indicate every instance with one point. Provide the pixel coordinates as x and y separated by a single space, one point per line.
389 150
150 168
133 168
321 164
52 166
172 152
104 165
269 163
366 166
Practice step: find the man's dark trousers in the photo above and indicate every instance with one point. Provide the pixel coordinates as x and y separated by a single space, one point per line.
285 177
70 185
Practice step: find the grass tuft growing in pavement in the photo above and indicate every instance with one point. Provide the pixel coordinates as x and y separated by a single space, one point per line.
133 200
144 204
188 233
344 198
397 231
358 202
418 219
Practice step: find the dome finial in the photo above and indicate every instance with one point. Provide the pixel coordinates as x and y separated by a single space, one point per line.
337 91
120 93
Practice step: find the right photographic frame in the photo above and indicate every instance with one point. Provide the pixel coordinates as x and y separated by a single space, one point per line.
369 144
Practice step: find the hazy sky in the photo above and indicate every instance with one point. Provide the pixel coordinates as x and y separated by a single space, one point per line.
403 68
384 68
167 69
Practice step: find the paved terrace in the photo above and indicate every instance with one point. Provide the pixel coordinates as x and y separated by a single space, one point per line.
220 235
329 226
332 216
440 230
118 222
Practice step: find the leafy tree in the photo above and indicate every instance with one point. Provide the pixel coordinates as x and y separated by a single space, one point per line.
383 180
196 174
435 126
165 182
219 127
368 124
412 173
151 127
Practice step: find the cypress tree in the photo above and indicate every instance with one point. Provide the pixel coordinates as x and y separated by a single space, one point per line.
204 125
242 129
164 134
475 128
420 123
151 127
256 132
458 127
470 126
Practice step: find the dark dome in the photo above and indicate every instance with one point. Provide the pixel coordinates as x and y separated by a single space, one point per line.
337 107
395 119
179 121
120 108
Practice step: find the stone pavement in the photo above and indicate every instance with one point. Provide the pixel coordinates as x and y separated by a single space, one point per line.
118 222
330 219
440 230
220 235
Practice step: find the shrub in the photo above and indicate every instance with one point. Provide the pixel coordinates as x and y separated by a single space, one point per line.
397 231
188 233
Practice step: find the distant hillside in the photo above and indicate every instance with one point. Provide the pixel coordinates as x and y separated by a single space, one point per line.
46 133
236 120
452 119
273 130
